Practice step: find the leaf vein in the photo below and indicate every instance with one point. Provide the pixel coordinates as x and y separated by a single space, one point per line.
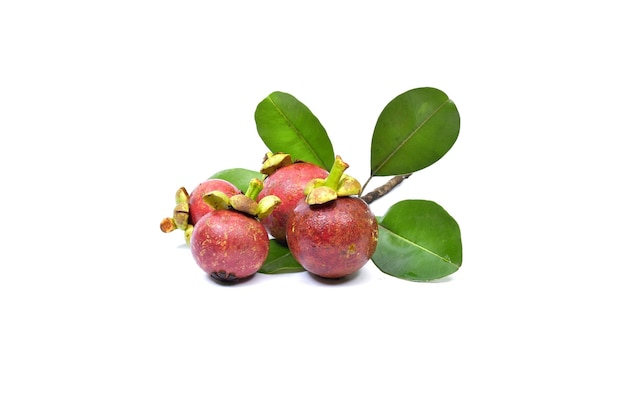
298 132
449 261
409 136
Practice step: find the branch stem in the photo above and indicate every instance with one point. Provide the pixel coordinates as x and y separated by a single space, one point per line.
384 189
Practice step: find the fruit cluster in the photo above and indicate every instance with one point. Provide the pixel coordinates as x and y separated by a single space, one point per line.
315 213
301 211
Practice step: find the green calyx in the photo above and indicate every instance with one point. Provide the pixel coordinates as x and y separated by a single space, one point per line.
275 161
244 203
180 216
337 184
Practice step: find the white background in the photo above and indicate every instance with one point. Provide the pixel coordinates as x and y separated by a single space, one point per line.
106 108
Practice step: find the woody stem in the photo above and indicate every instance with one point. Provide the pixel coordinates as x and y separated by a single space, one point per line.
378 192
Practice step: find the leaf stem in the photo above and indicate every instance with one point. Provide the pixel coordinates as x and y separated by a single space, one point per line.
365 185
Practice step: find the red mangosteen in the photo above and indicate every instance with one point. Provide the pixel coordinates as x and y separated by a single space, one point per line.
229 243
332 233
286 180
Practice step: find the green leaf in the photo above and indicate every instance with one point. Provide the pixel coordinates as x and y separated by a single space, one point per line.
279 260
287 125
239 177
418 241
413 131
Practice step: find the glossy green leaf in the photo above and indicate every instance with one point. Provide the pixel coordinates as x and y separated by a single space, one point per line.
413 131
287 125
279 260
239 177
418 241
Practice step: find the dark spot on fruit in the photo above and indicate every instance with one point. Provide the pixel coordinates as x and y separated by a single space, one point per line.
224 277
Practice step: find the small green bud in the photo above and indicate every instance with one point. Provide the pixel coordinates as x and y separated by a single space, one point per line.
188 231
274 162
217 200
182 196
168 225
181 215
244 204
267 205
348 186
321 195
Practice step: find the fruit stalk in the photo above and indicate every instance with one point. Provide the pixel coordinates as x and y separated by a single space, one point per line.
337 170
337 184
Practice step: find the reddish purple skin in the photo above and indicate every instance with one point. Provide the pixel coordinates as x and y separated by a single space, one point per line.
229 245
197 207
335 239
287 183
